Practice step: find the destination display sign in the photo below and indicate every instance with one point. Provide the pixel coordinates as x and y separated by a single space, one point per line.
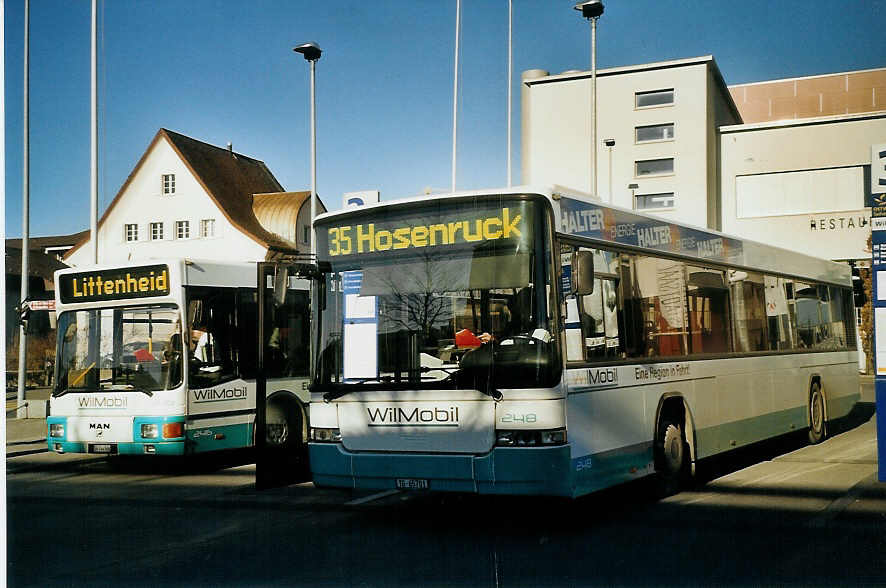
587 219
430 227
114 284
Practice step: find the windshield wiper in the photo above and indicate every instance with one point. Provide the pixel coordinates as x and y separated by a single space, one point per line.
355 383
133 388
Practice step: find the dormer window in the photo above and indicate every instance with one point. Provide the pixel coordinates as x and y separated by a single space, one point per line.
168 184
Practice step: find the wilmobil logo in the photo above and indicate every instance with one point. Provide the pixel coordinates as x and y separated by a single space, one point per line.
425 417
603 377
85 402
220 394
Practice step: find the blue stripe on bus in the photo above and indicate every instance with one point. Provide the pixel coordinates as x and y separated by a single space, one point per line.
213 438
602 470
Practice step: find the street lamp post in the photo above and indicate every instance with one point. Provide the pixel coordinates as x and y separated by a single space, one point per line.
610 143
592 10
312 52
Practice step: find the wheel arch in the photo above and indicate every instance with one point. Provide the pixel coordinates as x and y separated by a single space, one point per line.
675 404
292 401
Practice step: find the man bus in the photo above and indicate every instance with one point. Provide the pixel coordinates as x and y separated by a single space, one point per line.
529 341
159 358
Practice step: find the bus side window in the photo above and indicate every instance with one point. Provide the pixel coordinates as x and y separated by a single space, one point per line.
247 332
598 313
708 300
288 336
781 335
655 306
593 322
808 315
213 355
748 310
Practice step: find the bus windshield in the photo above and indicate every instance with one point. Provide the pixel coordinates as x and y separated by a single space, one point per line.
447 313
133 348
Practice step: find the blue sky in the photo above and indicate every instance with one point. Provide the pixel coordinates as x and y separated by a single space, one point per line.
222 70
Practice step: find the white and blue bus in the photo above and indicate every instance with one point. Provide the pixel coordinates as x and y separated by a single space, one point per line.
528 341
159 358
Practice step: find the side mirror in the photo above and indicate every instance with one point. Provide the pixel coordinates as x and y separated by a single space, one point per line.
281 284
582 273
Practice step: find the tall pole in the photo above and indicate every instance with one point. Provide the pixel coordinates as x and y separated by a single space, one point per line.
591 10
455 91
594 106
93 150
312 52
26 198
3 195
313 154
510 77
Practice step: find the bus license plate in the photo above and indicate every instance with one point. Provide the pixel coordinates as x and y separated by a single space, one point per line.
411 484
102 448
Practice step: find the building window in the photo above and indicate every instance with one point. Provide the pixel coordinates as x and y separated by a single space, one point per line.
663 132
652 201
654 167
306 238
131 232
156 231
168 184
207 227
182 229
654 98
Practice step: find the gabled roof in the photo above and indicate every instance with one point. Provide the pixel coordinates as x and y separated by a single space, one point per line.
39 264
230 179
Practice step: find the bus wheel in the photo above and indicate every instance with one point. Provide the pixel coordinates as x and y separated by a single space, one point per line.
280 424
818 428
671 457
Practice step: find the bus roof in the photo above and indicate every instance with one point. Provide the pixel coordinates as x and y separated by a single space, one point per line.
581 215
195 271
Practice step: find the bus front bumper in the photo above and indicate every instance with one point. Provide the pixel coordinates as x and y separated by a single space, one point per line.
66 435
504 470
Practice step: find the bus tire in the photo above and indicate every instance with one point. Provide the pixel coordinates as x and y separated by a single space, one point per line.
283 423
671 456
818 426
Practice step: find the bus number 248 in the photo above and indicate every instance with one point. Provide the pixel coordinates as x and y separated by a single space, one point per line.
518 418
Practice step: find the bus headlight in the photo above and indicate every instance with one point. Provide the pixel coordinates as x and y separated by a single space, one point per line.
325 435
56 429
150 431
530 438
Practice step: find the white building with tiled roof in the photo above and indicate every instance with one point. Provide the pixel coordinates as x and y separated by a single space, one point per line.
186 198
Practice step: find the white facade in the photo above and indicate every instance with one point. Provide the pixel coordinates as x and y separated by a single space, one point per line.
556 129
801 184
142 202
189 199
